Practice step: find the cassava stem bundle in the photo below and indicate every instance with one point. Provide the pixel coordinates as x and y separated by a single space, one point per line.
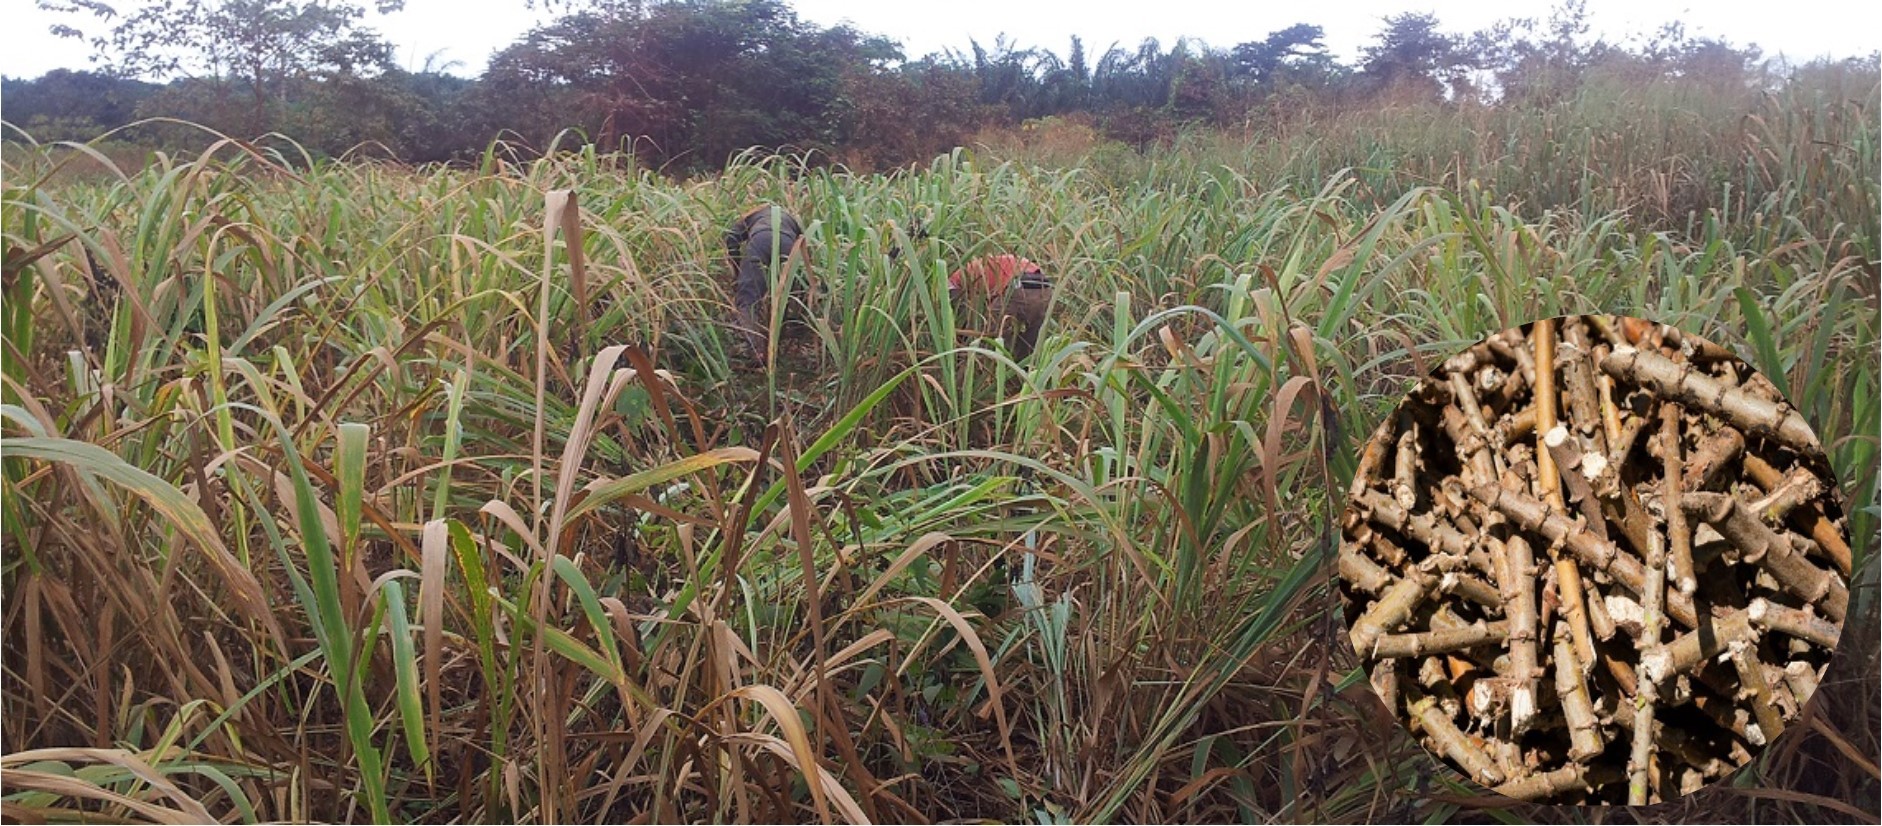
1596 561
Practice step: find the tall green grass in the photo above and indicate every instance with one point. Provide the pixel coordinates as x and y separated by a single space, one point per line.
326 498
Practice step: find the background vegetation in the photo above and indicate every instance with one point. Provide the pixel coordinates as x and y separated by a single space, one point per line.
354 490
686 85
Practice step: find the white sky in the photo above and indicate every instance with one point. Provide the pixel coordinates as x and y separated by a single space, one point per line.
470 30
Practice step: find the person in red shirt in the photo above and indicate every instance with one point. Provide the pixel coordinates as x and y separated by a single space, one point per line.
1017 292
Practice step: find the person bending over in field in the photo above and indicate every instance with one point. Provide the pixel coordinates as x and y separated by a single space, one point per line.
1017 294
757 246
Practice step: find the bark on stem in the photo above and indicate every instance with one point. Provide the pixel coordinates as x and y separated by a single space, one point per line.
1471 445
1549 784
1548 482
1652 598
1771 549
1684 382
1635 523
1751 675
1646 698
1519 600
1372 457
1685 575
1364 574
1793 621
1440 642
1584 731
1464 398
1583 401
1623 446
1598 612
1385 682
1425 528
1792 491
1405 468
1568 460
1810 518
1391 610
1531 515
1470 588
1510 347
1695 647
1802 679
1575 607
1387 550
1610 413
1719 451
1512 429
1453 743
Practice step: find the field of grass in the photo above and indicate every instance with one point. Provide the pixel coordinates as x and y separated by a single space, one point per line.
355 491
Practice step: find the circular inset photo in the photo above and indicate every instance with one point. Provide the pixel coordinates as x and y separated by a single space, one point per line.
1596 560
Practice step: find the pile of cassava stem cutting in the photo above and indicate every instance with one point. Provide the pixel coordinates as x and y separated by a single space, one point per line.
1595 561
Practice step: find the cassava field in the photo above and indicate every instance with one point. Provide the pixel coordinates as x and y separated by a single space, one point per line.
350 491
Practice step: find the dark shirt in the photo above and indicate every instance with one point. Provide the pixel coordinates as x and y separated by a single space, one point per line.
754 242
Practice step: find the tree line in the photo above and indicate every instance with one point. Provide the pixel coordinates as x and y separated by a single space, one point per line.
687 84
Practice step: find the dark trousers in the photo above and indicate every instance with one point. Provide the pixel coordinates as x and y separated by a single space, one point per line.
763 247
758 244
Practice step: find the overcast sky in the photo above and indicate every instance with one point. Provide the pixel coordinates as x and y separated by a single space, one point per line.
468 31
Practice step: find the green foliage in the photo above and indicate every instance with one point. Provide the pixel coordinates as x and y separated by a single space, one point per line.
258 43
691 83
1414 58
308 68
67 105
685 86
1295 54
